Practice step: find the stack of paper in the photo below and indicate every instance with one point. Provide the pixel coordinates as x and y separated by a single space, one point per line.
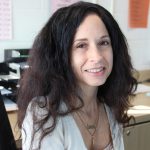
139 109
141 88
10 105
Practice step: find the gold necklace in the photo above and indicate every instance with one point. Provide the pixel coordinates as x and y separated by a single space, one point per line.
89 127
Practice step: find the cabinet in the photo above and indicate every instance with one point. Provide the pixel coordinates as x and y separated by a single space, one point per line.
137 137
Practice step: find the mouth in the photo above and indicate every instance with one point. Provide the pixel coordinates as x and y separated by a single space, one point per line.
96 70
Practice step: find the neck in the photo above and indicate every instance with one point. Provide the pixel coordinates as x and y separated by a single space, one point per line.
89 96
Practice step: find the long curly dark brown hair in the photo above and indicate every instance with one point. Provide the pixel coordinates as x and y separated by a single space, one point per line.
50 73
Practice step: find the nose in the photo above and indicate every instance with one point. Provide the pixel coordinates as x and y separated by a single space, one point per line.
95 55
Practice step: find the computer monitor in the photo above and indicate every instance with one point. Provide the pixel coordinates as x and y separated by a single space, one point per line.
4 68
7 141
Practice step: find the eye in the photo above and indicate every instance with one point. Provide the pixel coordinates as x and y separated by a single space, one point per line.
104 43
81 45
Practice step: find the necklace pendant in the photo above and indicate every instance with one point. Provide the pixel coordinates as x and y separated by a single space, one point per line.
91 127
92 144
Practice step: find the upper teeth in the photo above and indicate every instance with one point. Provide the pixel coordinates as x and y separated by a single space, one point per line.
95 70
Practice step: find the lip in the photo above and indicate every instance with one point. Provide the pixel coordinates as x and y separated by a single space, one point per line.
96 71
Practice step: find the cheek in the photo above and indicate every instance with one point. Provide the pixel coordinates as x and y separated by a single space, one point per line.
75 63
77 60
110 57
111 62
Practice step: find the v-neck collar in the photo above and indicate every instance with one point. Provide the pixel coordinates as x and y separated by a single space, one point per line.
79 135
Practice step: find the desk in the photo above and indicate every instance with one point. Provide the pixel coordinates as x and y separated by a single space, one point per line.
12 115
137 134
11 108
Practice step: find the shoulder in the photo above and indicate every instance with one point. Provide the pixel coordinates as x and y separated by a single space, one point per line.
36 111
116 129
37 106
114 125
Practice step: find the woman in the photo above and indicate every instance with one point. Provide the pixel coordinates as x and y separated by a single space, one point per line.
75 94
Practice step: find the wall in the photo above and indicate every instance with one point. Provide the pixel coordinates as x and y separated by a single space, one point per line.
138 39
29 16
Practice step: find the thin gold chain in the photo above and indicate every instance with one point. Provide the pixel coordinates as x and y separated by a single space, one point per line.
87 125
88 129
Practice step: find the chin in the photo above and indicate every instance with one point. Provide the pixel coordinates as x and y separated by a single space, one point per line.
97 83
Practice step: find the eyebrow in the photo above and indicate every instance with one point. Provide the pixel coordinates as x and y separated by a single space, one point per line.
105 36
85 39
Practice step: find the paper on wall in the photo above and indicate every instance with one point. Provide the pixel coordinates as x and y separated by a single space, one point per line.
56 4
138 13
5 20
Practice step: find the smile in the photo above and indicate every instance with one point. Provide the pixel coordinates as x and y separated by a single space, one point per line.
95 70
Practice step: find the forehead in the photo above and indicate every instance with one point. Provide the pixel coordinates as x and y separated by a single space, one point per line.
91 25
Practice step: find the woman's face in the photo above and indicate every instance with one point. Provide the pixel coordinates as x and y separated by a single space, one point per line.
91 53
